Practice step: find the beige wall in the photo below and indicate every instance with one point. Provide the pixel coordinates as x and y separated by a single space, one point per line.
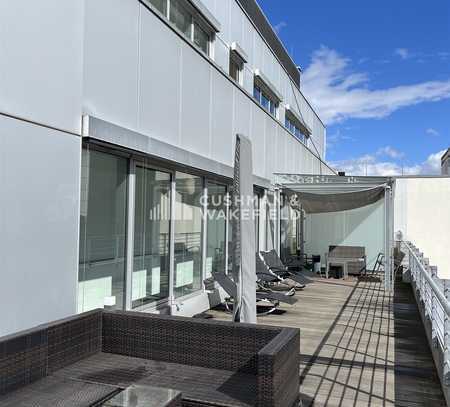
422 214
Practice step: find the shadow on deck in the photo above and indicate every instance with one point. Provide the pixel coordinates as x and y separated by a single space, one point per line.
361 346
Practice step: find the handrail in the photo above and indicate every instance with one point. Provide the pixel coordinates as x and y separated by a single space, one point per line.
436 289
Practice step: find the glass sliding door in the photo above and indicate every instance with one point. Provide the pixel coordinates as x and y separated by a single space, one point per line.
256 213
288 229
216 229
151 265
188 224
103 212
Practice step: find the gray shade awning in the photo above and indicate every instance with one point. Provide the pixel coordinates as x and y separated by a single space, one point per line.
335 202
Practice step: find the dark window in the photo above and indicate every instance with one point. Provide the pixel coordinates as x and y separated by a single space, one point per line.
160 5
201 38
265 100
294 129
236 69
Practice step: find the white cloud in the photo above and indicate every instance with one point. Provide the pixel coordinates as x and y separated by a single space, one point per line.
403 53
278 27
369 165
432 165
339 93
336 138
432 132
391 152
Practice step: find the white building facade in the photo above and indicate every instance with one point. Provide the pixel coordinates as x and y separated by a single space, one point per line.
117 128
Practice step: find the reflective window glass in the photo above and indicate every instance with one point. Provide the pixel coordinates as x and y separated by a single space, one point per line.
181 17
257 94
188 234
160 5
103 211
150 279
201 38
216 228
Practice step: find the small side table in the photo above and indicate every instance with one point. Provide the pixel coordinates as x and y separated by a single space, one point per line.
145 396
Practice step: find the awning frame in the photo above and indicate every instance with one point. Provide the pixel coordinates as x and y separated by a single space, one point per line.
327 185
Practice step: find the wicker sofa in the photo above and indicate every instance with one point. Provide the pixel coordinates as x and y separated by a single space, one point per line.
86 358
358 253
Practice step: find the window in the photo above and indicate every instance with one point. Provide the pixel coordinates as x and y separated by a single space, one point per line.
150 278
257 209
103 211
187 20
216 229
237 62
288 229
265 100
235 70
294 129
188 234
181 17
201 38
160 5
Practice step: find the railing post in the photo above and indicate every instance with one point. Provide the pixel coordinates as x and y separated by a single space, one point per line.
446 372
434 336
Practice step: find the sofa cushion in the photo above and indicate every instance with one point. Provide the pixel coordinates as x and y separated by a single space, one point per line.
57 392
197 384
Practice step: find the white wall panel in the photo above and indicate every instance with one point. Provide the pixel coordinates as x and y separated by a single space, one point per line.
221 112
111 61
39 216
242 114
247 38
41 54
159 85
248 80
259 141
222 54
258 59
222 13
195 102
271 147
173 94
236 23
281 152
421 213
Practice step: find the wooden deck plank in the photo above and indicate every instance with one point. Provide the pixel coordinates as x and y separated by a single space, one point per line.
360 346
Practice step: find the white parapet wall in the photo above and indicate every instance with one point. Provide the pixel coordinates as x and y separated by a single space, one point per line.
422 214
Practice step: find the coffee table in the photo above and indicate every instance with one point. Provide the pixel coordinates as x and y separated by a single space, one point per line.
145 396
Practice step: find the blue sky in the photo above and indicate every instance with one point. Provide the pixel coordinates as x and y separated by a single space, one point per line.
379 75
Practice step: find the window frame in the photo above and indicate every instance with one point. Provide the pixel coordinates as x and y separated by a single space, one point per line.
293 128
195 17
239 63
272 105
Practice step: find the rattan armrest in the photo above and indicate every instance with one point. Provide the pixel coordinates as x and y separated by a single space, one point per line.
279 370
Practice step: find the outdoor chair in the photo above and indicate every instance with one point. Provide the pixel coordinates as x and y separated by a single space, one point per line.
276 266
269 281
86 359
267 301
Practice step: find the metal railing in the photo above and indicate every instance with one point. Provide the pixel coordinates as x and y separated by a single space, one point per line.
433 296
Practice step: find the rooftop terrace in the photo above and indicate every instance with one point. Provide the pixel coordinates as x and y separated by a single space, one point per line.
360 345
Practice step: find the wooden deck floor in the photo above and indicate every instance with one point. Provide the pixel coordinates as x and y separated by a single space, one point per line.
360 346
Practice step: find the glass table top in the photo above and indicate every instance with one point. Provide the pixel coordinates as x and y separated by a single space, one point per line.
145 396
